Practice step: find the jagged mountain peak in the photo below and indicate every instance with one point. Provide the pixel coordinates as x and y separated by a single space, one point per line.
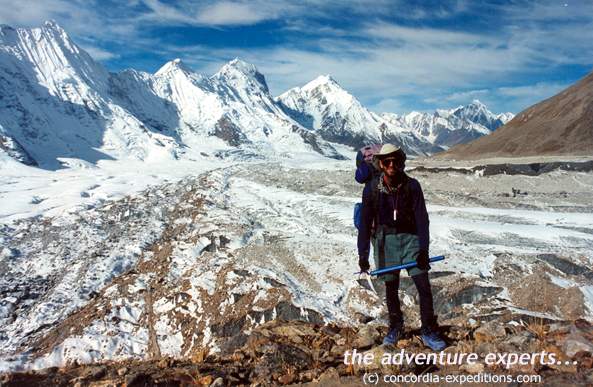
324 106
236 68
505 117
327 92
49 31
172 66
52 24
240 65
53 31
477 103
321 80
56 58
415 113
474 106
239 73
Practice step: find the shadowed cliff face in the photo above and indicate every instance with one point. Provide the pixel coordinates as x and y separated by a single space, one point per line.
230 133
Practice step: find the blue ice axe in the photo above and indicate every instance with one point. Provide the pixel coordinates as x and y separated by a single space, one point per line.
404 266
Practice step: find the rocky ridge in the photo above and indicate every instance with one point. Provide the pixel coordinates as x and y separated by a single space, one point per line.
284 352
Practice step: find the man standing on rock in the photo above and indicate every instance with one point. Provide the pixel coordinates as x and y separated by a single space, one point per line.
394 216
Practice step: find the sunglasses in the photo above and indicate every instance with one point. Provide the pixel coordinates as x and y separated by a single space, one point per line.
391 161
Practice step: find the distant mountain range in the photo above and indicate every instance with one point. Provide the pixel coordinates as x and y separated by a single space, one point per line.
326 108
57 103
558 126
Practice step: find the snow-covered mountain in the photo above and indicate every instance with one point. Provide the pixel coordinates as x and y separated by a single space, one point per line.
324 106
450 127
57 103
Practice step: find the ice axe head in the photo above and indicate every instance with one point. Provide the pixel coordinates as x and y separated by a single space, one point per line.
364 280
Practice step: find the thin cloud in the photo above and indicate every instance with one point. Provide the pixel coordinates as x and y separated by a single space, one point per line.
390 105
460 97
164 13
548 11
374 59
215 14
537 91
384 72
521 97
231 13
422 37
25 14
99 53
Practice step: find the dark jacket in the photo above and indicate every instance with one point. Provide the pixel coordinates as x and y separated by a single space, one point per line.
364 174
412 216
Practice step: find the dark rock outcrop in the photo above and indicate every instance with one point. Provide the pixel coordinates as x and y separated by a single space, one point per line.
291 352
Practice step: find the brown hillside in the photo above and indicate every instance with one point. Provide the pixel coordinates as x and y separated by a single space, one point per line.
560 125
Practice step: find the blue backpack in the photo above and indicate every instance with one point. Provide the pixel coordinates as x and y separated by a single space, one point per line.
357 215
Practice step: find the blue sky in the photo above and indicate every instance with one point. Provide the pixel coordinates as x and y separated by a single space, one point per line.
393 56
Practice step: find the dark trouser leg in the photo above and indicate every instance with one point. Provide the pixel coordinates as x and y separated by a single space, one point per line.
427 316
392 297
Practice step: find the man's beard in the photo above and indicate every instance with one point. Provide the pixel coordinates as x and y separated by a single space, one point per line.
397 177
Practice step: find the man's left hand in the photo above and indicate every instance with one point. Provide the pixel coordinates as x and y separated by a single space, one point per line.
363 263
423 261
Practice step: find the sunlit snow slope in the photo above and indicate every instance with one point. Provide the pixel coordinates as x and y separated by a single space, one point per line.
57 104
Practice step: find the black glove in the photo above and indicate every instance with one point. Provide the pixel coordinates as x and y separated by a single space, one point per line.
422 260
363 263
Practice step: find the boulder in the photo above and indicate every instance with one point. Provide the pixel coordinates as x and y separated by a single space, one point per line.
293 330
575 344
472 368
377 353
366 337
329 376
489 332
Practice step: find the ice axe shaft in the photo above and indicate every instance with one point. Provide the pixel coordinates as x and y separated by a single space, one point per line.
389 269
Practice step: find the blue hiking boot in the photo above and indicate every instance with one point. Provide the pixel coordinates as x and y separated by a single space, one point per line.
432 340
393 335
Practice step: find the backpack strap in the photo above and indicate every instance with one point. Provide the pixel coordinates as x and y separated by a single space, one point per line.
377 231
375 202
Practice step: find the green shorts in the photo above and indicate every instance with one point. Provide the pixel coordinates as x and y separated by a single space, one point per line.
399 249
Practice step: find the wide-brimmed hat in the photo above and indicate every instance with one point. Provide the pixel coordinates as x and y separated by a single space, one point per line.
390 150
